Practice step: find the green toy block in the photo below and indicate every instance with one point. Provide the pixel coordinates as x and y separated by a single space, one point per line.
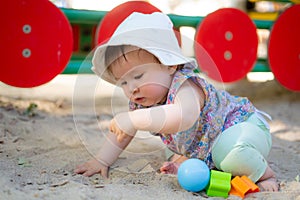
219 184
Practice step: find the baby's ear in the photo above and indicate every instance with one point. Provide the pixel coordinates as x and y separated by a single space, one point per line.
172 69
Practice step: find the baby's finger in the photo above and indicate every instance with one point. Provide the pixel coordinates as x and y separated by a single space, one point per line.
119 138
88 173
80 169
111 128
104 173
165 167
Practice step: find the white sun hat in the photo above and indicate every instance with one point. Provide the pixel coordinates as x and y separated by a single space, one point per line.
151 32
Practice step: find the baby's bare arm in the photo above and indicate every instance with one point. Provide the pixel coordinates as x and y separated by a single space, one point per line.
108 154
171 118
111 149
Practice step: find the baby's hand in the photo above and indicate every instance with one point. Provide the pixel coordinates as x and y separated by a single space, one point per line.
92 167
122 127
114 128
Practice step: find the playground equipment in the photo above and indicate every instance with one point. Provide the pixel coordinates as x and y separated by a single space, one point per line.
229 37
112 19
36 43
284 48
46 41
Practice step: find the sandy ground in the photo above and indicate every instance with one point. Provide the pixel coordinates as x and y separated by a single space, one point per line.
43 137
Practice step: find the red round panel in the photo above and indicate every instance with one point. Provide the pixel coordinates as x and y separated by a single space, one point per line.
229 37
113 18
284 48
36 43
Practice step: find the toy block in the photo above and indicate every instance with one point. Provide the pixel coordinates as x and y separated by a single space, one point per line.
219 184
240 186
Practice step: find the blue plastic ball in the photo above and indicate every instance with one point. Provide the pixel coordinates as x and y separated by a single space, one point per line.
193 175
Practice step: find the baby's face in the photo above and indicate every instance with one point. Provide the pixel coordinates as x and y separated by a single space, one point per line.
143 79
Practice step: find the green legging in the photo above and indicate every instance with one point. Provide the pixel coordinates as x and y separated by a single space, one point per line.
242 149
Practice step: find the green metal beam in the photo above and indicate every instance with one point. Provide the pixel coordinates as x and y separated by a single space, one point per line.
83 16
94 17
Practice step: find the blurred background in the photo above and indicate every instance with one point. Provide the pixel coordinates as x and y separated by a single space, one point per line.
66 82
253 8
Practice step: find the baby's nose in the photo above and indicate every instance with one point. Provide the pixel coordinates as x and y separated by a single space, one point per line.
133 88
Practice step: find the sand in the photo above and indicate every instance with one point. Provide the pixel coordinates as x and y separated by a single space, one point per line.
43 136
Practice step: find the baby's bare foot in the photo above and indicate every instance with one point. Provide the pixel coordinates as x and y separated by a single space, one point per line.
269 185
169 168
172 166
268 181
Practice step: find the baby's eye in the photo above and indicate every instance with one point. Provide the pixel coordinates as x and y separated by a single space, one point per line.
123 83
139 76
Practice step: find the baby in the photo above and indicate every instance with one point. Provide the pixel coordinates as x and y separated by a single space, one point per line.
169 99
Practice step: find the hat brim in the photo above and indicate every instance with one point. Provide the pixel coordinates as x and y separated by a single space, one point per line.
166 57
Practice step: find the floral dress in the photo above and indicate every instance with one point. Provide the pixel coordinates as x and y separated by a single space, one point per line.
220 111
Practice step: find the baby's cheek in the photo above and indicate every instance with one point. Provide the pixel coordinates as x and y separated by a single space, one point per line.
156 91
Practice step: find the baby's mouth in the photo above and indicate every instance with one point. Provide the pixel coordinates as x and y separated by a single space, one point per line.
139 99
